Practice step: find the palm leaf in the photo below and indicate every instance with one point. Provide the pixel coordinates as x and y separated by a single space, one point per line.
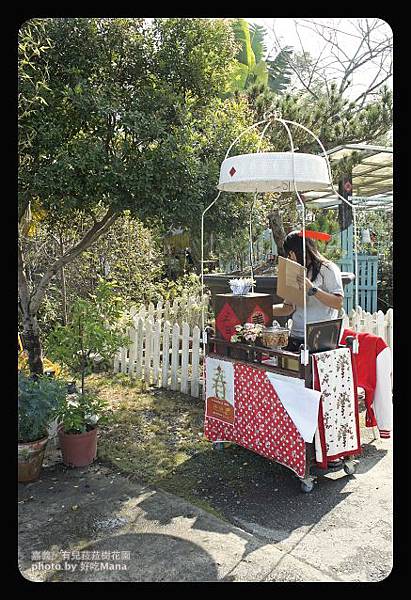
279 72
242 35
257 36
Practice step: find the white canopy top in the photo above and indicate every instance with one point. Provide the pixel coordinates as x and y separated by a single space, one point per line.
372 179
273 172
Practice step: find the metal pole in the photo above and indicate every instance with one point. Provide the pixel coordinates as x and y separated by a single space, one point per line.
202 259
304 357
251 215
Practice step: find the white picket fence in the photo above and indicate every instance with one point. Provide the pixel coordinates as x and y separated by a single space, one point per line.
377 323
164 355
168 354
165 348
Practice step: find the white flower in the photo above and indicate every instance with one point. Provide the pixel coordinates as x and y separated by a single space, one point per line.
91 419
73 403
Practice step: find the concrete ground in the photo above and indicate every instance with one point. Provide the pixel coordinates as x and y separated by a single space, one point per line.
342 531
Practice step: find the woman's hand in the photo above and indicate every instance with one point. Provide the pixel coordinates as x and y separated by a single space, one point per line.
300 281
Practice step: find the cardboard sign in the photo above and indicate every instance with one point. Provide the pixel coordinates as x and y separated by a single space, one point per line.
220 409
220 390
287 286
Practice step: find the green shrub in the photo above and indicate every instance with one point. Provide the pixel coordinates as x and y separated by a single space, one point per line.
37 402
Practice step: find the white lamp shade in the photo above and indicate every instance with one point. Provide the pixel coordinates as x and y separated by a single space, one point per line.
273 172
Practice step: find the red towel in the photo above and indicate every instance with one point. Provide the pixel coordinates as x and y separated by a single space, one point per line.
370 346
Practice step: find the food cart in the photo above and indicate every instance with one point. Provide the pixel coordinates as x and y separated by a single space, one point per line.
299 409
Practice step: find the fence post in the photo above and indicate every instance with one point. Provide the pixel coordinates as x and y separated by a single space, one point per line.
380 325
148 350
139 347
355 320
345 322
184 358
159 310
195 362
165 355
369 323
175 347
174 311
156 352
151 311
132 350
166 315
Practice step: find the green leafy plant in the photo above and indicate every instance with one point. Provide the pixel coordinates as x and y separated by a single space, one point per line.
37 402
78 413
96 326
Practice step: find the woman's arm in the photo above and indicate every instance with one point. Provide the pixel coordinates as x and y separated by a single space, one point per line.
331 300
282 310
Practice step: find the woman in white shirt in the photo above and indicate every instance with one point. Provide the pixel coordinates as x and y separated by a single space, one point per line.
323 285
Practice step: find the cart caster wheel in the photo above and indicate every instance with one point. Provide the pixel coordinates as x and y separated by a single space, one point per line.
350 468
307 486
218 446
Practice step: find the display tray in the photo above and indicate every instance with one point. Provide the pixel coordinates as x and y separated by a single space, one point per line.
288 362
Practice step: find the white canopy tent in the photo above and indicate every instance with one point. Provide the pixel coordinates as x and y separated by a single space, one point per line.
372 179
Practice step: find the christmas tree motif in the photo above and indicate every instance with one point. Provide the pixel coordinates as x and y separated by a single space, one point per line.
219 383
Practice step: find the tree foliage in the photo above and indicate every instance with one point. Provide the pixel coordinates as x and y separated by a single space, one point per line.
253 66
119 127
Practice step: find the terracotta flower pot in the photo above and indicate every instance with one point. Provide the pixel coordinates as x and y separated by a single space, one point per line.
78 449
30 460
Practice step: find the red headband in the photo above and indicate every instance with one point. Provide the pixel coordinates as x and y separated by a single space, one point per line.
316 235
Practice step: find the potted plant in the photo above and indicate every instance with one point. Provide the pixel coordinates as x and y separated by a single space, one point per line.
37 401
78 415
96 326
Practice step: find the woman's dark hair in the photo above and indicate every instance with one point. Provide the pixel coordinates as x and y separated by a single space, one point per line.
294 243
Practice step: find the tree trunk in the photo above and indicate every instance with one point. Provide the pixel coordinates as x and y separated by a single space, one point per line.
276 225
63 284
31 332
32 344
30 303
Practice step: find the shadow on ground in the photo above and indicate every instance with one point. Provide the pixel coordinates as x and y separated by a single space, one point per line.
242 487
153 557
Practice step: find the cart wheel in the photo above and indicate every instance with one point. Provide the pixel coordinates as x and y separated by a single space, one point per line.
218 446
307 486
350 468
